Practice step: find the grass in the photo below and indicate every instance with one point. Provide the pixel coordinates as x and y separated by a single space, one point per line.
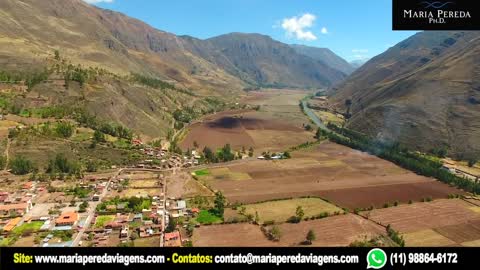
202 172
122 144
8 241
206 217
31 227
147 242
328 117
281 211
101 221
82 135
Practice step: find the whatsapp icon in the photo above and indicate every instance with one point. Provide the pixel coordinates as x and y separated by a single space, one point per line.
376 259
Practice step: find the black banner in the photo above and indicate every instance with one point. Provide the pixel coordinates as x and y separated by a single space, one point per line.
247 258
436 15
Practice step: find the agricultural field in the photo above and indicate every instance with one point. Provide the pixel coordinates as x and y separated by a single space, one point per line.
101 221
231 235
206 217
276 126
346 177
281 211
445 222
328 117
339 230
181 185
147 242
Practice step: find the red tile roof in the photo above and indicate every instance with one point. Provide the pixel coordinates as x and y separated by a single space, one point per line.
67 218
172 236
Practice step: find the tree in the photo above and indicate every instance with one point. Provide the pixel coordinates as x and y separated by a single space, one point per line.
287 155
57 55
83 207
311 237
219 204
318 134
257 218
299 213
348 104
172 225
21 166
195 144
64 129
190 228
308 127
99 137
275 233
209 155
91 166
250 152
226 154
472 162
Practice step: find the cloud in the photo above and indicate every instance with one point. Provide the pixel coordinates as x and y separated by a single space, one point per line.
297 27
324 30
98 1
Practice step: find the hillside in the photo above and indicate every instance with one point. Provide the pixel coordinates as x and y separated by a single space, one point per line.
326 56
260 59
423 92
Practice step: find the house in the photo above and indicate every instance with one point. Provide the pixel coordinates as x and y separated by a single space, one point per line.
11 224
121 206
137 142
67 219
27 186
18 209
146 212
113 225
124 232
180 205
173 239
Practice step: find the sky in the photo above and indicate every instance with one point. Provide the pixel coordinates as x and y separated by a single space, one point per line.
353 29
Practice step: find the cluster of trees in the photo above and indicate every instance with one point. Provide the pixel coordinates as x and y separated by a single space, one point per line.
64 129
21 165
395 236
399 155
219 202
224 154
132 204
83 207
185 115
31 79
299 214
77 74
152 82
61 165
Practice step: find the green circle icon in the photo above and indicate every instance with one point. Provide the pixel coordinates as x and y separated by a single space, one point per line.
376 259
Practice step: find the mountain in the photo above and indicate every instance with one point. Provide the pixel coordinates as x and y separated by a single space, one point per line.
31 30
100 49
260 60
424 92
92 36
357 63
326 56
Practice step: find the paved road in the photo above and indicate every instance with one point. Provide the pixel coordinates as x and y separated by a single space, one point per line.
313 116
91 210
